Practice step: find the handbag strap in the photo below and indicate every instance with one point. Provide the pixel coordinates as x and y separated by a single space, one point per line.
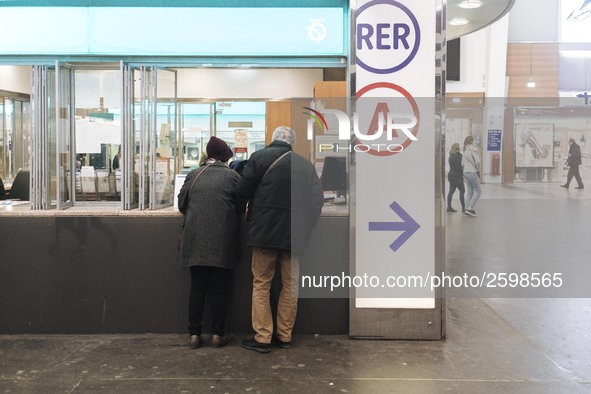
194 179
248 209
191 188
275 162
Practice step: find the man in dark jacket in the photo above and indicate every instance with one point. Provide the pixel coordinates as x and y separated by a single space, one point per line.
285 202
573 162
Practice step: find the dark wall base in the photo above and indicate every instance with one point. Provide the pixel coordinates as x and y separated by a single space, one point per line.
121 275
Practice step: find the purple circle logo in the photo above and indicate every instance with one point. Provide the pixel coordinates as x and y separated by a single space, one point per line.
387 36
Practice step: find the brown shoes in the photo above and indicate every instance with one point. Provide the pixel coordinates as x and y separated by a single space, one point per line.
220 341
194 341
216 341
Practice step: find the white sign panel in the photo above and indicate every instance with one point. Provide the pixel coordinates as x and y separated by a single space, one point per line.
203 31
179 179
395 209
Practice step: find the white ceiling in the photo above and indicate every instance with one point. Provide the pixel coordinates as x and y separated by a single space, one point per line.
489 12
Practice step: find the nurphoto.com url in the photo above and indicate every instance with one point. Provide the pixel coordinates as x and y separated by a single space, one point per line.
432 282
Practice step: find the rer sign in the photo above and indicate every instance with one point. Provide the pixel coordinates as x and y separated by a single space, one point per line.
388 36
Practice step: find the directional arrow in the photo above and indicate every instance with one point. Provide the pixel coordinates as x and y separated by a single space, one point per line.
586 96
408 226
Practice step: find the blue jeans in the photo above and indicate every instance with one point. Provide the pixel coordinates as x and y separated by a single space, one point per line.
474 191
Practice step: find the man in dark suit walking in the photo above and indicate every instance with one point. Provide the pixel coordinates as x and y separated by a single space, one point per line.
573 162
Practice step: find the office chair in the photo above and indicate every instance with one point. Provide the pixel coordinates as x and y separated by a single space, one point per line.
20 186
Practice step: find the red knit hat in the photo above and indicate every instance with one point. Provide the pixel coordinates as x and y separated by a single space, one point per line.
218 149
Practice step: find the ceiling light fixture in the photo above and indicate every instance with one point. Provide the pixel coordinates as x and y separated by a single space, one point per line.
531 83
458 22
470 4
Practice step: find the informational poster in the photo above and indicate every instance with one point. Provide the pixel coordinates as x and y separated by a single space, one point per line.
575 20
241 141
534 145
494 140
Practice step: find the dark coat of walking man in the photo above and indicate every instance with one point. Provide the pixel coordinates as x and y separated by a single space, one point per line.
573 162
286 199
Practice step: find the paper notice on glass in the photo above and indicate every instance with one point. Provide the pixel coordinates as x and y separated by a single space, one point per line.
240 141
179 179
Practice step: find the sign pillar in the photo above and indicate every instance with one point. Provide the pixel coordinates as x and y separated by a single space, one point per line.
397 225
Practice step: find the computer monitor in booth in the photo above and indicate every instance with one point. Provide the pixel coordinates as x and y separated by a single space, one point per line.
334 175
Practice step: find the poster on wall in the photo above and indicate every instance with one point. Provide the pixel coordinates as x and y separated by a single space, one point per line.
534 145
494 140
240 141
456 130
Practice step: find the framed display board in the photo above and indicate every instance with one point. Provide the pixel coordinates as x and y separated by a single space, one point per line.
534 145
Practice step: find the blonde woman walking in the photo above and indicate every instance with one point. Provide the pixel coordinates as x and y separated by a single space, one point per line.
471 164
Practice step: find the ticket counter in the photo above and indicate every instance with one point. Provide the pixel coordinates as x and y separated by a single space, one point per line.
115 271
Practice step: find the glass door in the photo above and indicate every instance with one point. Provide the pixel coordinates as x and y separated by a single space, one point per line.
130 122
143 134
163 148
65 183
52 178
43 141
149 119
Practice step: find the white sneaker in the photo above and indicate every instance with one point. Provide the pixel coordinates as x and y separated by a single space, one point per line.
470 212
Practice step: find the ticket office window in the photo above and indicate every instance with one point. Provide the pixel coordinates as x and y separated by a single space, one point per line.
73 136
125 151
240 123
98 135
150 148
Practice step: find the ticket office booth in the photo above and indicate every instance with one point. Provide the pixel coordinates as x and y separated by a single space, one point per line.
74 91
100 89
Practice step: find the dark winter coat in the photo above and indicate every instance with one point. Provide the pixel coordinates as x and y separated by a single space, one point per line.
456 171
574 155
212 220
286 204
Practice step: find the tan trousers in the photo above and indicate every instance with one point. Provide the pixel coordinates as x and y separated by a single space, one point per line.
264 262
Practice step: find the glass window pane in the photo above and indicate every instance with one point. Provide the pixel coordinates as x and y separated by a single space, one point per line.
98 135
165 142
63 138
245 118
195 132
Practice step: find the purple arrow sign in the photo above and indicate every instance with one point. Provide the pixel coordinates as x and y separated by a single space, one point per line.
408 226
586 96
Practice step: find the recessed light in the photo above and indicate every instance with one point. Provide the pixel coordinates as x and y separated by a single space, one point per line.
458 21
470 4
579 54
